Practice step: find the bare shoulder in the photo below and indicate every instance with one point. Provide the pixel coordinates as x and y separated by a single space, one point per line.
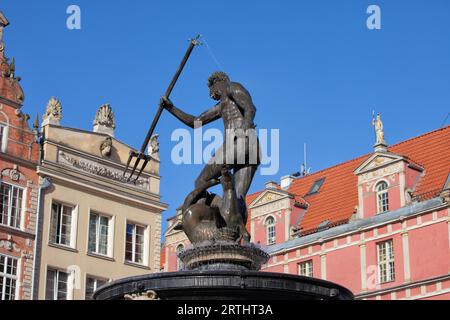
238 88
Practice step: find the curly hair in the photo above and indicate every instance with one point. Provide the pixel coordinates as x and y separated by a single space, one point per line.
216 77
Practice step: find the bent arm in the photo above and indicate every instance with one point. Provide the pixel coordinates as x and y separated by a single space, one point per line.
194 122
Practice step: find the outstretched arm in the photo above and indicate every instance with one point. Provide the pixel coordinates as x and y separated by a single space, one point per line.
190 120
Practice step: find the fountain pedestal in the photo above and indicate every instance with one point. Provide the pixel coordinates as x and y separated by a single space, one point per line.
222 271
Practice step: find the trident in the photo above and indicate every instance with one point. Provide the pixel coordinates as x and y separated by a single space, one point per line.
141 154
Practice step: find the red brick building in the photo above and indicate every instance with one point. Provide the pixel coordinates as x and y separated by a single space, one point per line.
19 190
378 224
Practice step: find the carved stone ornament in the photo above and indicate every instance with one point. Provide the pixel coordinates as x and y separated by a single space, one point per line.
9 245
148 295
106 147
53 113
153 148
95 168
13 173
105 117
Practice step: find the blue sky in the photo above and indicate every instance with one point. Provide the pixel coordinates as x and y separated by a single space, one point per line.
313 68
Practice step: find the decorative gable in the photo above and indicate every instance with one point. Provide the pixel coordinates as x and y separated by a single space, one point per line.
269 196
378 160
269 201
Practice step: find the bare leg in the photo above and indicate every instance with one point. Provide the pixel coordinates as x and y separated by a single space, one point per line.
242 179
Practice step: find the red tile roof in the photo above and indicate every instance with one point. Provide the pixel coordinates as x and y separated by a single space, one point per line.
338 197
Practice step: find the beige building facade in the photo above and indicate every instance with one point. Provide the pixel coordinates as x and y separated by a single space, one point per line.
95 226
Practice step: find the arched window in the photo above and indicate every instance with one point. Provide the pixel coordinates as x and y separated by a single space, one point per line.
382 197
180 265
270 230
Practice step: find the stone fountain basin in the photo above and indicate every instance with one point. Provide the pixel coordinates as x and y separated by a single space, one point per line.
224 285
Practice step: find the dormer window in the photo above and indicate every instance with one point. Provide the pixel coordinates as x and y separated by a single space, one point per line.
270 230
382 197
316 186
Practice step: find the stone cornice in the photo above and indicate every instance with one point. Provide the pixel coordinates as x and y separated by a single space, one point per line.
17 232
57 175
403 287
10 103
18 161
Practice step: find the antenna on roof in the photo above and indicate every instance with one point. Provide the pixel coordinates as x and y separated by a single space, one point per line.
304 169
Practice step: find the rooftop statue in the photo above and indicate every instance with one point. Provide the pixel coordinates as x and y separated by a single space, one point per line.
378 124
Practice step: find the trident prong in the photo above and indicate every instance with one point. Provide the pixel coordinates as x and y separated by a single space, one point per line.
141 154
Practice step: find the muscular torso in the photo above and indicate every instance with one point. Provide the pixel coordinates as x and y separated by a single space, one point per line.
231 115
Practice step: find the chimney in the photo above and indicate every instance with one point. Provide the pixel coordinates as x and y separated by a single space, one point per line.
271 185
286 182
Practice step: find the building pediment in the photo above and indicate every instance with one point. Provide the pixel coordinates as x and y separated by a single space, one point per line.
172 223
377 161
269 196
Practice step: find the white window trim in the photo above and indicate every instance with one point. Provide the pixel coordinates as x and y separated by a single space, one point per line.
22 207
110 244
387 262
73 227
70 281
266 225
16 277
309 269
145 257
378 193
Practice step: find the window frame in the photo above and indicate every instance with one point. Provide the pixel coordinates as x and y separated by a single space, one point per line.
20 216
144 243
109 237
382 197
56 283
319 183
73 224
388 263
13 277
96 279
309 268
270 230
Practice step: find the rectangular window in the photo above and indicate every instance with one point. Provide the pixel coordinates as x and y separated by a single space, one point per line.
61 224
306 268
8 278
56 288
271 234
92 284
386 268
134 251
383 202
98 234
11 198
